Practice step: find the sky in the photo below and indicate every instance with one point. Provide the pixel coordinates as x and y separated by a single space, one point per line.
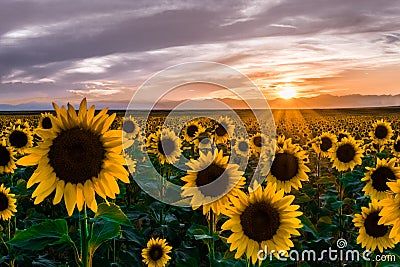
105 50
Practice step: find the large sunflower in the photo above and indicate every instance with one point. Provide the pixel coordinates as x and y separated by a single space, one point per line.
78 157
381 133
371 234
211 182
378 177
390 213
7 158
263 219
346 154
165 145
288 169
7 203
19 138
156 253
324 143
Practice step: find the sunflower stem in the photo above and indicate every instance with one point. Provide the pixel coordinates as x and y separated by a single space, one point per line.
341 206
85 239
211 227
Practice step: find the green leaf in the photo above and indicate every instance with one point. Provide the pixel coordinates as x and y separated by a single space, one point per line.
112 213
39 236
308 226
101 232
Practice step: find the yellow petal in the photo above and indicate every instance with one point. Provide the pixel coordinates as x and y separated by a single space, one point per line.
59 192
70 197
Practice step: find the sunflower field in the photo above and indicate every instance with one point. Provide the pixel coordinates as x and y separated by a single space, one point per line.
76 190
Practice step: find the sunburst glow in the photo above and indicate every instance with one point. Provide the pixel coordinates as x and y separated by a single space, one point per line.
288 93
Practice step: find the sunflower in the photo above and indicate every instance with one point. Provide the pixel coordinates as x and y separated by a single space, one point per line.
346 154
323 144
377 178
156 253
192 130
343 134
19 138
381 133
288 169
165 145
390 212
7 203
257 141
7 158
223 130
263 219
46 121
396 147
77 158
241 147
372 235
211 182
130 131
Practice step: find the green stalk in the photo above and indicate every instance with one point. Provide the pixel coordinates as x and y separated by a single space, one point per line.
211 228
85 240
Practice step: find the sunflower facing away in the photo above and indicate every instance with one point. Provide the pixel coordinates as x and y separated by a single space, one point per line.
288 169
19 138
390 213
211 182
7 203
165 145
156 253
78 157
378 177
346 154
264 218
7 158
371 234
381 133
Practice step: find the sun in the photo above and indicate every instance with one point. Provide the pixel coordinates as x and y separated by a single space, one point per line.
288 93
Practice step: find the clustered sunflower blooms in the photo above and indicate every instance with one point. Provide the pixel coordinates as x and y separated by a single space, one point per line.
371 233
262 220
165 145
288 169
156 253
7 158
7 203
346 154
211 182
381 133
378 177
390 213
78 157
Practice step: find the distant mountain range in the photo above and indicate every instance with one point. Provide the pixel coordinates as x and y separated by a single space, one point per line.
318 102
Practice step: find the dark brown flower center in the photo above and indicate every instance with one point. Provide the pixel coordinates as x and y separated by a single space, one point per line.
213 173
260 221
76 155
381 132
285 166
380 177
257 141
243 146
192 130
156 252
372 227
18 139
326 144
220 130
46 123
3 201
5 156
346 153
166 146
128 126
